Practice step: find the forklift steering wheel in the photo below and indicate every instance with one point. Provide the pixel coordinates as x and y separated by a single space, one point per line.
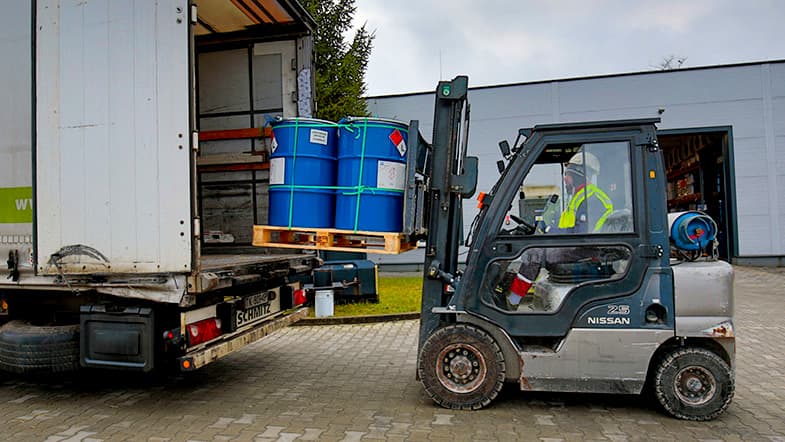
523 226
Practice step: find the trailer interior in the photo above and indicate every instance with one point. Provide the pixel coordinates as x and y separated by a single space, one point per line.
252 63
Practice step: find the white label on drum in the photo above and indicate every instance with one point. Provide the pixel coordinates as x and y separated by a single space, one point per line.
277 169
319 137
391 175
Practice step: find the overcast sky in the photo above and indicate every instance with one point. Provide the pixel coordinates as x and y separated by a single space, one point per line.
498 41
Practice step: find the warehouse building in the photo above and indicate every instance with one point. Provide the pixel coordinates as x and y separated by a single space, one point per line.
722 135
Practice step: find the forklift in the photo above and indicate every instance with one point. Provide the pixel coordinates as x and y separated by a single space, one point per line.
606 309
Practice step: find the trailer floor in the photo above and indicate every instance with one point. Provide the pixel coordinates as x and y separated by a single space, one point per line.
229 261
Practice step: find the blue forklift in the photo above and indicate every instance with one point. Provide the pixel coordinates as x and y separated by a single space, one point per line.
568 284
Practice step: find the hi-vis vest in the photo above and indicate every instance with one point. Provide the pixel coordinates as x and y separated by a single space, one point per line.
568 218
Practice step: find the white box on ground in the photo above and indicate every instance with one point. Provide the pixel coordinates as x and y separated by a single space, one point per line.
324 303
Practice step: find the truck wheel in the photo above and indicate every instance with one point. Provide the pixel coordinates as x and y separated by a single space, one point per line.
31 349
693 384
461 367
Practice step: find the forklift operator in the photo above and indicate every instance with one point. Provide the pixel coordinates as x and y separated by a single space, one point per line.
586 211
585 197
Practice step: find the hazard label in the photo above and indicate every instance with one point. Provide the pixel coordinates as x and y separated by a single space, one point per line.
273 144
397 139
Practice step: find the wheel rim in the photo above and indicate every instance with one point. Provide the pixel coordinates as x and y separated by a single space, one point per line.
461 368
695 385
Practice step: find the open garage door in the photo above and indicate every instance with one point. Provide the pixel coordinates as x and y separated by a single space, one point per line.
699 163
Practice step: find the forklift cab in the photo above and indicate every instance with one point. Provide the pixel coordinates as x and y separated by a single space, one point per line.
592 252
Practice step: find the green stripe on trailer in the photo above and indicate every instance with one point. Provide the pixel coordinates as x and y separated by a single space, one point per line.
16 205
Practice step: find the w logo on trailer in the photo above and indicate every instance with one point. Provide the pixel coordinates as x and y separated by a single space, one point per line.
397 139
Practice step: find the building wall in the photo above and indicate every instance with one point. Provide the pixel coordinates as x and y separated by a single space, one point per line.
750 98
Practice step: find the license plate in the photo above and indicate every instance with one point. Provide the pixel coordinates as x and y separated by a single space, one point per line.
249 315
257 299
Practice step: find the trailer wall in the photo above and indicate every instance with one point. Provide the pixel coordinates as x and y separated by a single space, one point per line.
16 192
113 140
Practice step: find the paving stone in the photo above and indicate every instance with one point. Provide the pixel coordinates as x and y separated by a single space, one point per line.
356 382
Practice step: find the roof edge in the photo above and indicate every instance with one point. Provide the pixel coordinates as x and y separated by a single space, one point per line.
591 77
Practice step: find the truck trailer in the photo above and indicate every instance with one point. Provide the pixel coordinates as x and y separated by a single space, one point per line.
132 169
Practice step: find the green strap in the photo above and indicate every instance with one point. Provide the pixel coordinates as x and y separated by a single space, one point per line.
350 190
360 180
294 165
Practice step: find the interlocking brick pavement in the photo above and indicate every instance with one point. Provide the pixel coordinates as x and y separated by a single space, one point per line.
356 382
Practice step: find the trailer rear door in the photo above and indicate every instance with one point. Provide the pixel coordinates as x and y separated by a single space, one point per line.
112 180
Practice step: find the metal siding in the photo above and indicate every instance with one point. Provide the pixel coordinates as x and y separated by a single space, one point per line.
113 134
223 82
754 159
287 51
778 83
174 171
750 98
15 126
778 122
775 220
267 82
662 88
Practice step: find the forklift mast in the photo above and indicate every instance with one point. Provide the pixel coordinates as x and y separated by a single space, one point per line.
452 177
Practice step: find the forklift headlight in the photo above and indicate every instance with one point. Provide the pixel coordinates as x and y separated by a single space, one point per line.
722 330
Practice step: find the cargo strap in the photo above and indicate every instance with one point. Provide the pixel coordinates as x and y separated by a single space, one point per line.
360 178
294 168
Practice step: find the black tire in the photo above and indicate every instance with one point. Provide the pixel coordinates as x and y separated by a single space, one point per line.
461 367
693 384
31 349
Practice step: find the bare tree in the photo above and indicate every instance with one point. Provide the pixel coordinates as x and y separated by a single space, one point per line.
670 63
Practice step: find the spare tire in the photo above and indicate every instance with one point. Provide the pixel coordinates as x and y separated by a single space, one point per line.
30 349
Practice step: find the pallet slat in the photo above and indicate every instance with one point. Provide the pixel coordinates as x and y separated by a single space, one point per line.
388 243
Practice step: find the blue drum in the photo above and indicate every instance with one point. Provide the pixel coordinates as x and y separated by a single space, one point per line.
371 174
302 173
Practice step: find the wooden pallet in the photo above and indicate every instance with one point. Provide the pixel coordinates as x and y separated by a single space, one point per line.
388 243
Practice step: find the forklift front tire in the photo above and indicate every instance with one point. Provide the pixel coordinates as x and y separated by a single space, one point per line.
461 367
693 383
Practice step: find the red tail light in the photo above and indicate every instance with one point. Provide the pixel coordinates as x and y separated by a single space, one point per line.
203 331
299 297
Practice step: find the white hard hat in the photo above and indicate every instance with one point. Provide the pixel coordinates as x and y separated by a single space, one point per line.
592 163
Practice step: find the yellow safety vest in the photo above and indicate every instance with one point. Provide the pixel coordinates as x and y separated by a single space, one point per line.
568 218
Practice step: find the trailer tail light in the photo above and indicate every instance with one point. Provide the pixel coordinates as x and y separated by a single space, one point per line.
203 331
299 297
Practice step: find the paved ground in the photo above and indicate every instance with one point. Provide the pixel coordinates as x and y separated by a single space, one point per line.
357 382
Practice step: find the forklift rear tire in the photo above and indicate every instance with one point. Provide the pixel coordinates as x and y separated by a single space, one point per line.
461 367
693 384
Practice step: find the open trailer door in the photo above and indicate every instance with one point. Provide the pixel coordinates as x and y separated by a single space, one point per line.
112 137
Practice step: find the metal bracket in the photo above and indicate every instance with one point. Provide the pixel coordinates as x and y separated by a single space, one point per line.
647 139
466 183
197 228
13 265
